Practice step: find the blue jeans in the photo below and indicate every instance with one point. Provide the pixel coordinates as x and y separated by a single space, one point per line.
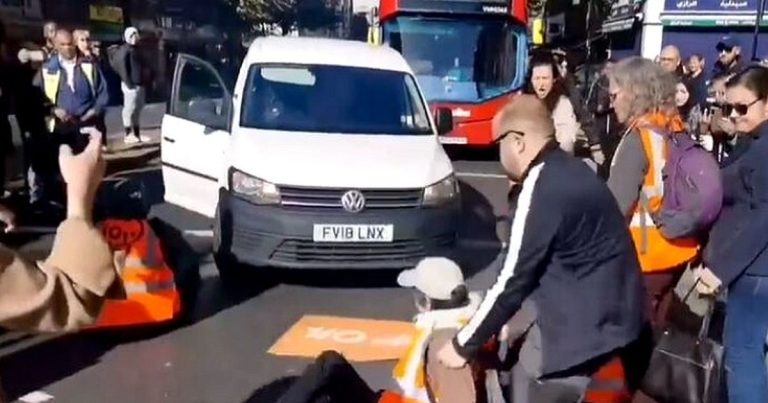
746 325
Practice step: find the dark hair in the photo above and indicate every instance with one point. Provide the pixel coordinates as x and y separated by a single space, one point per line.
459 298
545 58
753 78
685 110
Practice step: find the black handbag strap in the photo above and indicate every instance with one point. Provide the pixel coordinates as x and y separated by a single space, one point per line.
707 319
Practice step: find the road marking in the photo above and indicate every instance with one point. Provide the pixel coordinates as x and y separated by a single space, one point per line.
480 175
36 397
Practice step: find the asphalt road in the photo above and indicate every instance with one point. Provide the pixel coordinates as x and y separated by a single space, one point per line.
219 355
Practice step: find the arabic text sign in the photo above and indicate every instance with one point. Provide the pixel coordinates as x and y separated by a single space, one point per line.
359 340
715 6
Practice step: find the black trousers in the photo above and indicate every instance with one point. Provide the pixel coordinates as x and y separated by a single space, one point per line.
331 378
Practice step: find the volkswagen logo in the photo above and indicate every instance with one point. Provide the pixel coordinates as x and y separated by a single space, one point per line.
353 201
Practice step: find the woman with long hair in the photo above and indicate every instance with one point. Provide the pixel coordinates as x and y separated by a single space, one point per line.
545 81
736 252
688 108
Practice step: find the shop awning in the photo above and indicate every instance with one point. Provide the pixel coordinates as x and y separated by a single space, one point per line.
710 13
623 15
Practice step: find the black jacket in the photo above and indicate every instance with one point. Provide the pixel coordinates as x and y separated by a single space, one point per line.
739 239
129 66
571 250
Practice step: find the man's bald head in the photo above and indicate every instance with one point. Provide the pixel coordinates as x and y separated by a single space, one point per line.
523 127
670 58
527 114
65 44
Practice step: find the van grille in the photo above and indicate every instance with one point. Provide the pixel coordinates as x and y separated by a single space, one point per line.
331 198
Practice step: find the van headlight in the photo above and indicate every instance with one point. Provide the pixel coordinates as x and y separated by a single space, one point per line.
253 189
441 192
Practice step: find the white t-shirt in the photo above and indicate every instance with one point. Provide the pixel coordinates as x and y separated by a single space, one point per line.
69 68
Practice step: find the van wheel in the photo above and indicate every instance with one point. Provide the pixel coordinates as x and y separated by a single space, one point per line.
228 267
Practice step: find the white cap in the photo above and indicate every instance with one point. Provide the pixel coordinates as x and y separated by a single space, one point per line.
129 32
436 277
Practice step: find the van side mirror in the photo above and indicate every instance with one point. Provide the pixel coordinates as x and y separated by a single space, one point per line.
444 120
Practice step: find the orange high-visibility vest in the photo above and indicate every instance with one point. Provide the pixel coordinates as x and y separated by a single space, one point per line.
655 252
149 283
609 384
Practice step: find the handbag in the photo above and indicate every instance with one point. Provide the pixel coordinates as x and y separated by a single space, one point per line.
685 366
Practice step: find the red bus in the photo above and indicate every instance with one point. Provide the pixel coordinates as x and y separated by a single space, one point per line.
467 55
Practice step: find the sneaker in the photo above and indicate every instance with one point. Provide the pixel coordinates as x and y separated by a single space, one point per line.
131 140
144 139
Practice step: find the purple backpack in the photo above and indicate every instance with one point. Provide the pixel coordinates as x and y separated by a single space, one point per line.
693 189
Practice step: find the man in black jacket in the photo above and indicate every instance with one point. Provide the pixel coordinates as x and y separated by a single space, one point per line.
129 66
570 251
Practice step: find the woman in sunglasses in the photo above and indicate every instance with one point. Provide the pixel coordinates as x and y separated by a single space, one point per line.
736 252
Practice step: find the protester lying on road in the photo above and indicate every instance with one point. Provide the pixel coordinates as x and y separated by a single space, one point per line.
66 291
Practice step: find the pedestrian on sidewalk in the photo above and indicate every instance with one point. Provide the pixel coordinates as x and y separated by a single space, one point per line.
87 52
76 95
130 67
736 251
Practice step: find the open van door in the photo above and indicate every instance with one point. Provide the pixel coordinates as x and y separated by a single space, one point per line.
195 135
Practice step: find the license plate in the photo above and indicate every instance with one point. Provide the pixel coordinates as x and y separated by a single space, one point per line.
353 233
453 140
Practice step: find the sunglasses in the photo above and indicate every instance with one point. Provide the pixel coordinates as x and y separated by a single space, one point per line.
740 109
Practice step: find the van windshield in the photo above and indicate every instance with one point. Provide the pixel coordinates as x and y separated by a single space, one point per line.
333 99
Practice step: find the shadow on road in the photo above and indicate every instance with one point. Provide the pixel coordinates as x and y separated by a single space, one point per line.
478 224
42 364
271 392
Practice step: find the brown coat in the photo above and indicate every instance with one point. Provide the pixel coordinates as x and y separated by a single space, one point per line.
447 385
63 293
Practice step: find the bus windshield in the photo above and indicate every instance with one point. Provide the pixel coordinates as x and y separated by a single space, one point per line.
458 60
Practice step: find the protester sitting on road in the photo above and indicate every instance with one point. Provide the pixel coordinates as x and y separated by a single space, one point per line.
570 252
545 82
735 253
643 98
444 304
66 291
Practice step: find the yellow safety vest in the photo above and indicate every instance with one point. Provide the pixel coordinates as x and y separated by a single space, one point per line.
52 82
654 251
374 35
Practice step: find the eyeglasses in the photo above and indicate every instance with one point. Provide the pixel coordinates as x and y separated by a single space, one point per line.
507 133
740 109
724 50
515 132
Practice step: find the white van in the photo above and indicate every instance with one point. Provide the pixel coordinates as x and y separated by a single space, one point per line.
325 155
